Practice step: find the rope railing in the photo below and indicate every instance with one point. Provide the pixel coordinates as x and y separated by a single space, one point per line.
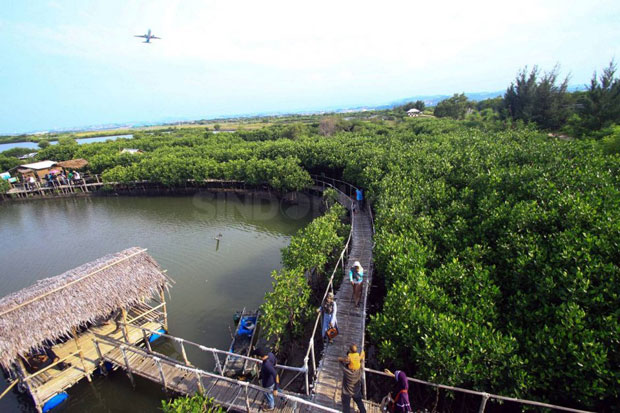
161 358
485 396
205 349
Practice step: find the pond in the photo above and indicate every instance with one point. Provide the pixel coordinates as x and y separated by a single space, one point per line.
35 146
44 238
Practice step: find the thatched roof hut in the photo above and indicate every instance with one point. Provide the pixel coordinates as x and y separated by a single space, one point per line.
52 307
74 163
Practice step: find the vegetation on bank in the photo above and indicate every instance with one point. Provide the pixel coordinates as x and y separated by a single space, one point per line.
289 305
191 404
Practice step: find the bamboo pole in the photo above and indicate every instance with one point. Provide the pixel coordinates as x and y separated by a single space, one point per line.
201 388
163 300
79 349
22 372
161 372
133 383
124 326
187 363
483 403
147 342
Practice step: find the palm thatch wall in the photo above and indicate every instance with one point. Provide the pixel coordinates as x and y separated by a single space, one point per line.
50 308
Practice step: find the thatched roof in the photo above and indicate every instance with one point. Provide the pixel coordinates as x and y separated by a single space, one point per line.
74 164
51 307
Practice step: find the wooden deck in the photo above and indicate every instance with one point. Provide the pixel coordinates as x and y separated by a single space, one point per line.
328 383
47 384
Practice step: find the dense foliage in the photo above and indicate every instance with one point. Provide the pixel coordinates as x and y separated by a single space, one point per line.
287 307
191 404
499 247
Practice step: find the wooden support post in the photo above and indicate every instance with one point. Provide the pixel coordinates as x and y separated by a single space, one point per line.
161 373
483 403
187 363
133 383
201 388
163 300
146 341
99 354
313 357
218 365
22 373
307 383
247 400
77 344
124 326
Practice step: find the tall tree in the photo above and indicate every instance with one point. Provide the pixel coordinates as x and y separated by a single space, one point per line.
600 105
537 98
455 107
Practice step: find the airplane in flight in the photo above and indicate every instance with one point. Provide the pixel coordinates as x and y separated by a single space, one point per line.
148 36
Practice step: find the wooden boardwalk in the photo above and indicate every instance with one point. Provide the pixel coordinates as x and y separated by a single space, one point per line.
177 377
351 319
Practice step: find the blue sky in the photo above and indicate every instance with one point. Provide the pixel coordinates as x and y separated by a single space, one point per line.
76 63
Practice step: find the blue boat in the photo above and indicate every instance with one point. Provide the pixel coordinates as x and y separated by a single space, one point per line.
243 341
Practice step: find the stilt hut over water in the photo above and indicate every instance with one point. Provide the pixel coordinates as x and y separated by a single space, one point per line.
47 329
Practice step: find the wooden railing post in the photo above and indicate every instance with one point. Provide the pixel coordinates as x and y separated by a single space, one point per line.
163 300
307 382
201 388
247 400
77 345
146 341
483 403
180 341
133 383
161 372
218 365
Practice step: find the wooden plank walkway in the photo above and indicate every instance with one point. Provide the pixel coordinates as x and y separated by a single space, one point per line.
53 381
328 383
225 391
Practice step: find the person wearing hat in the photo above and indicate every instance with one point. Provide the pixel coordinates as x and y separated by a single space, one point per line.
356 277
351 383
269 377
329 309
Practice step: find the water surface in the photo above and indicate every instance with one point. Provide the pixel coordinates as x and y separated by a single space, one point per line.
44 238
35 145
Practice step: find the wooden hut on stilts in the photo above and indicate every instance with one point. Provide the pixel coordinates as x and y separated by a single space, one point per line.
47 329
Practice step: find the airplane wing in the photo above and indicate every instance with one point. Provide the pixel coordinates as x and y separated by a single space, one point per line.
155 37
143 35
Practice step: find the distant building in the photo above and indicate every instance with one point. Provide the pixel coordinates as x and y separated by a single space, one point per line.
413 112
132 151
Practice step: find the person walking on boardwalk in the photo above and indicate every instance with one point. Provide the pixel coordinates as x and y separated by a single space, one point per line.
356 277
269 377
359 196
400 397
329 309
351 383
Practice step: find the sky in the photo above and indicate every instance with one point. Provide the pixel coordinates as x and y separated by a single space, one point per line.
70 64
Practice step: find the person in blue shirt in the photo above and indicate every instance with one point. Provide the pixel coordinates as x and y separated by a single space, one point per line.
356 277
359 195
269 377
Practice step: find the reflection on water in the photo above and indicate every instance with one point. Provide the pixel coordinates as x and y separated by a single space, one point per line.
45 238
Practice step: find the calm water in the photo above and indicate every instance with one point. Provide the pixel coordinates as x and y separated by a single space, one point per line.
45 238
35 145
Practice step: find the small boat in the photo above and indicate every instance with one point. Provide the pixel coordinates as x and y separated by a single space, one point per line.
242 343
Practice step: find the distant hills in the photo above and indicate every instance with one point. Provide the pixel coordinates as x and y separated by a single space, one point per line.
429 100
